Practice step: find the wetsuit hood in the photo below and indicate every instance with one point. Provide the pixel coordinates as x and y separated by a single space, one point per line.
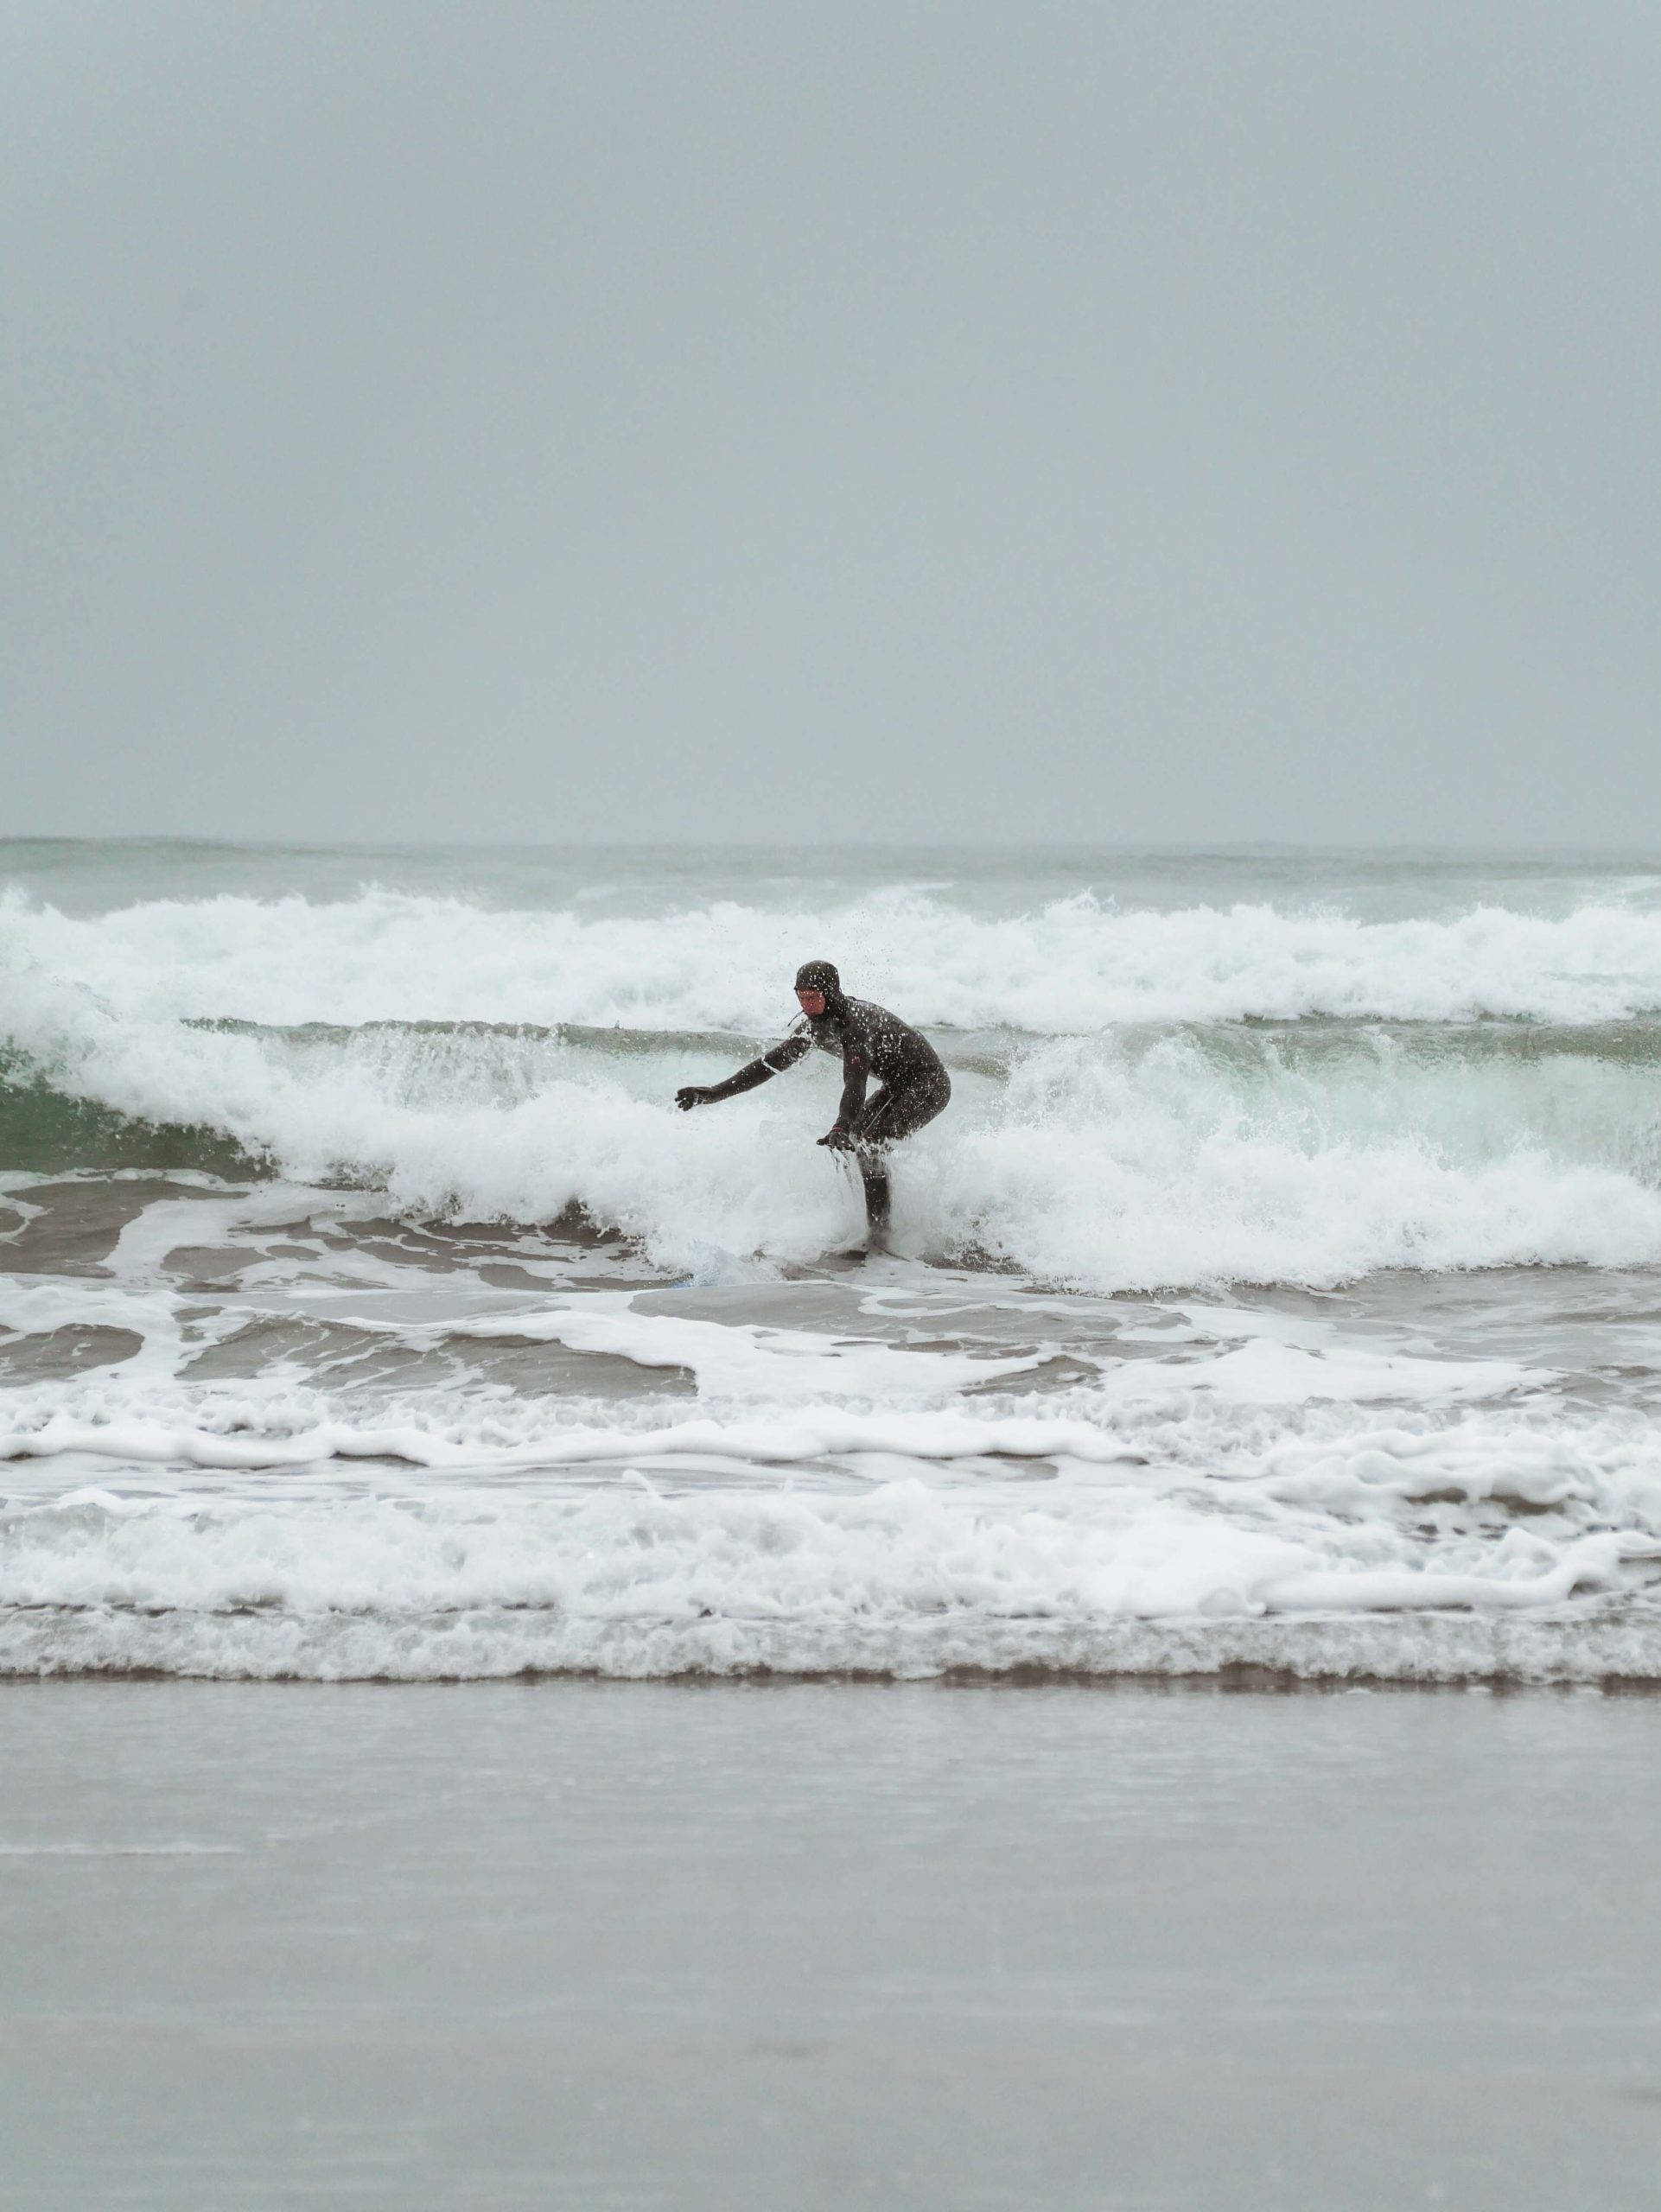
819 975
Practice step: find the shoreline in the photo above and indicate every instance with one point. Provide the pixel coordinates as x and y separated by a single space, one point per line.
1242 1682
1618 1647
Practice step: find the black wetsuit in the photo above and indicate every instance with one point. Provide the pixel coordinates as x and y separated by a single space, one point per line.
869 1041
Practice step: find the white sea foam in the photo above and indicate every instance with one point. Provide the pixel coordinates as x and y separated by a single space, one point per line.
1075 965
1244 1485
903 1578
127 1419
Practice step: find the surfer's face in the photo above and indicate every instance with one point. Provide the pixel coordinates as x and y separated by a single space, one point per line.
812 1003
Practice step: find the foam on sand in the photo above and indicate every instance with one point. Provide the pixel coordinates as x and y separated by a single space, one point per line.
903 1579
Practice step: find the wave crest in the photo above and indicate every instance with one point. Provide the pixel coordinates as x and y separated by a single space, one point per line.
1073 965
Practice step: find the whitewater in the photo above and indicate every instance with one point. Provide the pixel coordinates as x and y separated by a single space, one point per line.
1280 1290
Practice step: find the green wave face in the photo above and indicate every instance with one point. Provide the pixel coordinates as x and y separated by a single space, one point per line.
1316 1042
45 1131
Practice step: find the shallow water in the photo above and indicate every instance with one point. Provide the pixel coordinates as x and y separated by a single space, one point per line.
1280 1289
816 1945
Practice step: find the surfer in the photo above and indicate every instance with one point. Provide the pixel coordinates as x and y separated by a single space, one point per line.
869 1041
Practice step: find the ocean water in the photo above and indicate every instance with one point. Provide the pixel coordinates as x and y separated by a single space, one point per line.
1280 1289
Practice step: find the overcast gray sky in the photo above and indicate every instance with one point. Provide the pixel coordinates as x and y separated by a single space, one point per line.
1157 419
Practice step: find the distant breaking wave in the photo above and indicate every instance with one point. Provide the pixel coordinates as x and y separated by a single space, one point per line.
1074 966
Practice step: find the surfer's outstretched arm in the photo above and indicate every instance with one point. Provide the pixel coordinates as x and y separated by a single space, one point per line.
782 1055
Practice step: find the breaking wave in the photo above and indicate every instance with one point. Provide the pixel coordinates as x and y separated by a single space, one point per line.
1143 1100
1075 965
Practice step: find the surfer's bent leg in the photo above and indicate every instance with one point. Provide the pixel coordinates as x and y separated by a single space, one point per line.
895 1114
885 1118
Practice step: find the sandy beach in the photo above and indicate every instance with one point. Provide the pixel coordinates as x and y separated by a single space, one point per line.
715 1945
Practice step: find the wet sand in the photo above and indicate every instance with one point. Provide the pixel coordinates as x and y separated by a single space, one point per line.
814 1945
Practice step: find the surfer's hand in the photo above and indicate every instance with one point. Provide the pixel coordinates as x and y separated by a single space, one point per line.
691 1095
837 1139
